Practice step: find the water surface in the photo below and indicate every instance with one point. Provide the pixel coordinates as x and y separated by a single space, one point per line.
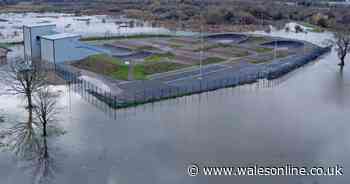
303 120
87 26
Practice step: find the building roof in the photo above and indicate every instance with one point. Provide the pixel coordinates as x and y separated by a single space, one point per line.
60 36
39 25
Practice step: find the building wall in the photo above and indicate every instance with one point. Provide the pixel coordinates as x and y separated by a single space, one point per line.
70 49
31 41
27 43
47 50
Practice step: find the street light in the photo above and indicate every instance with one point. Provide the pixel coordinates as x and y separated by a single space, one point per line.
202 43
275 50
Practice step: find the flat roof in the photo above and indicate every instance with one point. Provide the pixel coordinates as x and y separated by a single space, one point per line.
60 36
39 25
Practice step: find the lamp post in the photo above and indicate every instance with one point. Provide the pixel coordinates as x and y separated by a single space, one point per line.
202 43
275 50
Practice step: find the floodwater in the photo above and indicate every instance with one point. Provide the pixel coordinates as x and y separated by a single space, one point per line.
96 25
303 120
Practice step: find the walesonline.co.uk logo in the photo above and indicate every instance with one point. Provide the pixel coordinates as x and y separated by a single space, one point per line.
286 170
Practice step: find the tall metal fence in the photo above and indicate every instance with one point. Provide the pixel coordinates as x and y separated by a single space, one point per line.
101 97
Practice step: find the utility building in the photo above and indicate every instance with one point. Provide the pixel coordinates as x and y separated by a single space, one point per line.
64 47
31 37
42 42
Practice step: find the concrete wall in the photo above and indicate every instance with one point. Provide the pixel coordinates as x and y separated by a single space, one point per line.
32 41
47 50
67 50
27 43
64 49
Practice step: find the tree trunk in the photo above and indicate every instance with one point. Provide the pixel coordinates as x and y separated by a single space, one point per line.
46 153
342 62
44 129
30 111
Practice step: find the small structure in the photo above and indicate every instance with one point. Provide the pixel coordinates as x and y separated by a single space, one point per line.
31 37
64 47
43 43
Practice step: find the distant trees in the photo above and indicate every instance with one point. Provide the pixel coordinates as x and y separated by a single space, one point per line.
214 16
321 20
229 16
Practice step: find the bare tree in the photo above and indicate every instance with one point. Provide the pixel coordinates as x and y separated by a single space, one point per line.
44 166
23 78
342 45
45 108
28 80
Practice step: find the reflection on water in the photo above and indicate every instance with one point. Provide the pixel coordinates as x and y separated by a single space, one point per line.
31 150
26 142
43 167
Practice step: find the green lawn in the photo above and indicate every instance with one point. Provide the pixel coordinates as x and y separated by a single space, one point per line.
110 66
113 67
122 73
262 49
176 46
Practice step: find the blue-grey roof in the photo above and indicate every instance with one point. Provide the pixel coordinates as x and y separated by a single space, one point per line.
39 25
60 36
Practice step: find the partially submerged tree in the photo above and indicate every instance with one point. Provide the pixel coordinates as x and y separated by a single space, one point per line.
342 44
29 81
45 108
23 78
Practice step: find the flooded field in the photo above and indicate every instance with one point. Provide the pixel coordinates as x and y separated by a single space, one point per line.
88 26
300 119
